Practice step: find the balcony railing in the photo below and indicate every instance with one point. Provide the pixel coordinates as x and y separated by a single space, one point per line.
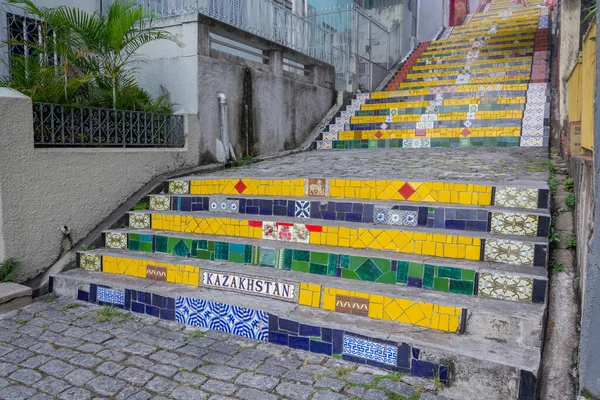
69 126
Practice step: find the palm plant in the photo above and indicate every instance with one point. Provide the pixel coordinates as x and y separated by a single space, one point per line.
102 47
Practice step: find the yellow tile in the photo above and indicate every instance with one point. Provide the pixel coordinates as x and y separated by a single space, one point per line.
376 311
305 298
473 253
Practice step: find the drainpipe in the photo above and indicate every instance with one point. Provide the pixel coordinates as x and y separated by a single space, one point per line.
224 126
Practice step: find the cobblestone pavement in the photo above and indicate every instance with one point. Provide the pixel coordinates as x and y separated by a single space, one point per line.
63 349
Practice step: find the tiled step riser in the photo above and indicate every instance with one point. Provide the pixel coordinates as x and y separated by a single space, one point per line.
419 143
387 190
376 306
476 220
517 252
426 276
433 107
401 75
299 333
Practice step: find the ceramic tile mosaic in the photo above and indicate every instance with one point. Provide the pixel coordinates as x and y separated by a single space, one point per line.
434 192
236 320
90 262
514 224
179 187
505 287
302 209
443 318
382 353
115 240
441 245
278 289
139 221
110 296
160 203
517 197
511 252
222 205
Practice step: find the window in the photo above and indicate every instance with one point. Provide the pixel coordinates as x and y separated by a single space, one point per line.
27 29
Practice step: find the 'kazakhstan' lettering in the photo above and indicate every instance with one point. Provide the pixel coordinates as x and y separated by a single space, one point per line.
249 284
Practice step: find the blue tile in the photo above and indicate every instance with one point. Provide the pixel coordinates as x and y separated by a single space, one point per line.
478 226
416 353
127 304
354 359
154 311
93 291
278 338
443 374
439 218
424 369
320 347
185 203
355 217
466 214
287 325
170 304
415 282
145 297
158 301
169 315
338 341
482 215
455 224
404 353
328 215
242 206
343 207
327 335
297 342
137 307
357 208
82 295
309 330
273 323
368 212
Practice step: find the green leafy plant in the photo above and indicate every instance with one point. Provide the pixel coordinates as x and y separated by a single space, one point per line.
7 267
141 205
554 237
569 184
109 313
572 242
98 55
245 160
195 334
570 200
85 247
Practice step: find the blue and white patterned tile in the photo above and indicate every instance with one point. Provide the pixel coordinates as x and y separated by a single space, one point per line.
222 205
329 136
110 296
302 209
324 145
532 141
362 348
403 218
381 215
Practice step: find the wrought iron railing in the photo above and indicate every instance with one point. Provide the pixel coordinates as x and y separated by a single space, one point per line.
57 125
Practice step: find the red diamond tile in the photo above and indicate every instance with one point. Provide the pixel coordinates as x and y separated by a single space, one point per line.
240 186
378 135
465 132
256 224
314 228
406 190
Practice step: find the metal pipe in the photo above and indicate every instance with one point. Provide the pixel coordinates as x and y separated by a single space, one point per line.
224 125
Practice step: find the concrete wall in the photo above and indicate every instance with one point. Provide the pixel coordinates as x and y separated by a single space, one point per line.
42 190
431 17
286 105
568 51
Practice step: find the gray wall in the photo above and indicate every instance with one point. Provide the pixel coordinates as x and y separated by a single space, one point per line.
430 19
286 106
43 189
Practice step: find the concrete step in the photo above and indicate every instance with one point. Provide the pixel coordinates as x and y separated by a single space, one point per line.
500 220
472 278
479 246
411 308
503 369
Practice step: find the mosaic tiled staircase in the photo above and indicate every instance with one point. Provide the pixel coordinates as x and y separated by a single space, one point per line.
481 84
427 262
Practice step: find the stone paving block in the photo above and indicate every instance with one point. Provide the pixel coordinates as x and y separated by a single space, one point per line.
3 383
139 349
219 387
360 379
64 354
105 386
257 381
75 393
328 395
79 377
111 355
56 368
134 376
219 372
16 356
16 392
164 370
187 393
5 349
25 376
43 348
161 385
271 369
85 361
333 384
396 387
193 351
244 363
188 363
139 362
190 378
90 348
7 368
298 376
42 396
52 385
214 357
294 391
253 394
109 368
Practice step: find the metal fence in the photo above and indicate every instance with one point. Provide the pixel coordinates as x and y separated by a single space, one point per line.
68 126
334 35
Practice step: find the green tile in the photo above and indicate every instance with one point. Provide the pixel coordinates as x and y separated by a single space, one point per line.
248 254
236 258
441 284
194 248
134 236
319 269
428 275
319 258
344 261
161 244
287 259
468 275
415 270
462 287
133 245
332 264
204 255
449 272
202 245
348 274
402 272
145 246
300 266
356 262
221 251
182 248
211 245
301 255
388 277
383 264
368 271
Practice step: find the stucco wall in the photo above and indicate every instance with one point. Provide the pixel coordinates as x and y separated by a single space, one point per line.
568 51
430 19
286 106
42 190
